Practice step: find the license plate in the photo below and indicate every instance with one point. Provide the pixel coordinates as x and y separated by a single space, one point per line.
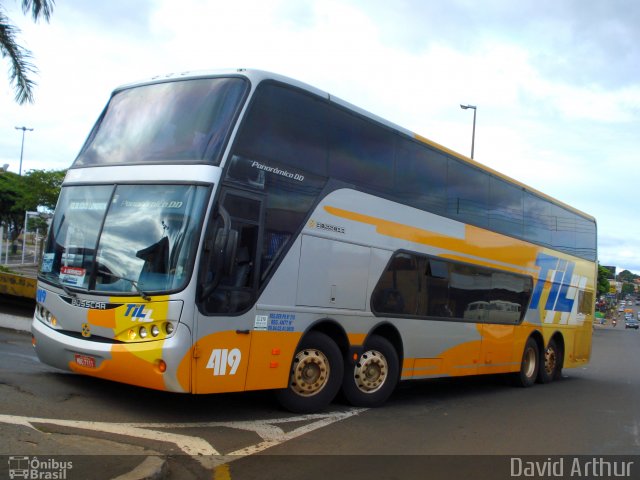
85 361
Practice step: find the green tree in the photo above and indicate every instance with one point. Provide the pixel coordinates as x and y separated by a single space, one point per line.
41 188
627 276
10 197
603 280
36 189
20 68
628 289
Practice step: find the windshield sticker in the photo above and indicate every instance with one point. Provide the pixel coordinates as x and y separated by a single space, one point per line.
87 205
72 275
47 262
72 259
151 204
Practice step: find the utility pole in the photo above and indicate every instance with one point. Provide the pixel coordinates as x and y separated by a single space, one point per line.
24 129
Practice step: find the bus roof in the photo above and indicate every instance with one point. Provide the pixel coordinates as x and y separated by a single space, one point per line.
256 76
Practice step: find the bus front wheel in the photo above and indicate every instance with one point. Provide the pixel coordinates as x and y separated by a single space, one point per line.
529 366
315 377
374 374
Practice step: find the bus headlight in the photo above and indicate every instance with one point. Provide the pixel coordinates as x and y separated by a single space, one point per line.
45 316
155 331
168 327
142 332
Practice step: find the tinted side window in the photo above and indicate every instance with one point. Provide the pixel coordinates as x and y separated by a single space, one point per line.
287 126
510 296
288 203
586 236
437 289
563 237
506 207
398 289
470 287
361 151
290 195
421 177
417 285
467 193
538 220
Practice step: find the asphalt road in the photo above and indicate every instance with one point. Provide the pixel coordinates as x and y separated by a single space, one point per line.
449 428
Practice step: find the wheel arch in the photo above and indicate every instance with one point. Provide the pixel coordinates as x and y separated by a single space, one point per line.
559 339
333 330
539 339
389 332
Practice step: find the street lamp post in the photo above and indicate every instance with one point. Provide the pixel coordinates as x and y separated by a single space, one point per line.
24 129
473 135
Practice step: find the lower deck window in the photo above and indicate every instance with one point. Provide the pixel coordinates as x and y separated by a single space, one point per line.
422 286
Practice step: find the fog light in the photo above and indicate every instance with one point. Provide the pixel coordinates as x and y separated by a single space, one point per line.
143 332
155 331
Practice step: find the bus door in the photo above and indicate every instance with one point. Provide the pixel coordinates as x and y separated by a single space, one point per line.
228 282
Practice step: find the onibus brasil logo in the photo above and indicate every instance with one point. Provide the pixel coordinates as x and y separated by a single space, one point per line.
35 468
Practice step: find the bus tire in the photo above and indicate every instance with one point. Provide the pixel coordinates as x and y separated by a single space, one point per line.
373 377
551 369
316 375
529 365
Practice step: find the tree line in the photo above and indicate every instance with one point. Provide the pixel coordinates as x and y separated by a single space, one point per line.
36 190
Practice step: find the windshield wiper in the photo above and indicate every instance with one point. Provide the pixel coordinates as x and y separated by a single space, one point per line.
67 291
58 283
142 293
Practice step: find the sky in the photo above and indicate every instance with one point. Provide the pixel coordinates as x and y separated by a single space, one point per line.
556 83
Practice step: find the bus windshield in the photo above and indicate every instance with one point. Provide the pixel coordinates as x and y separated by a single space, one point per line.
184 121
124 239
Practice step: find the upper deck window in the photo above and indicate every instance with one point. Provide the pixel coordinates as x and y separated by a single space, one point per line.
183 121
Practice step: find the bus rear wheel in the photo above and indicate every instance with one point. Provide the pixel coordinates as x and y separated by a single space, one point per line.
552 367
529 366
374 374
316 375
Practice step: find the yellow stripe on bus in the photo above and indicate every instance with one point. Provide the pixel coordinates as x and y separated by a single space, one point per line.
477 242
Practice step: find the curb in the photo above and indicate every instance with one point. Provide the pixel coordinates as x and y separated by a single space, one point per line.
14 322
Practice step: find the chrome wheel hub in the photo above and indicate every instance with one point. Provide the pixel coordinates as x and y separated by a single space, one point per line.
310 372
371 371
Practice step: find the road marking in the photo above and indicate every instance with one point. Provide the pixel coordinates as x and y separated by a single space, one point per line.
189 445
268 430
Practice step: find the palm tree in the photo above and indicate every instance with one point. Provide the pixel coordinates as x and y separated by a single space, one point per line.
21 68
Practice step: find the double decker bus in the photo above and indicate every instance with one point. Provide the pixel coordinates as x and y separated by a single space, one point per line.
238 230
